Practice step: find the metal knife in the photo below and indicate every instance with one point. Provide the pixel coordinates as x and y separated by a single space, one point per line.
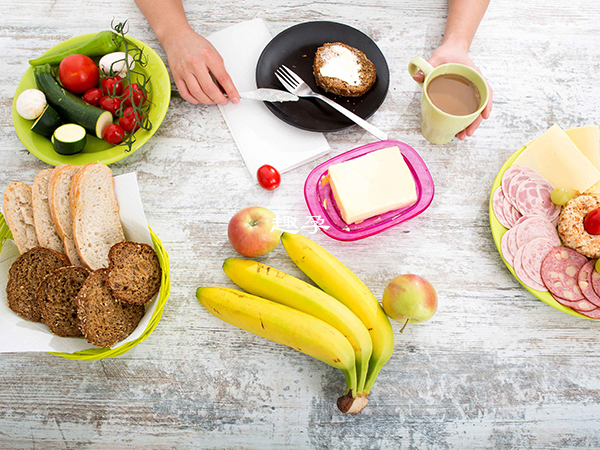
262 94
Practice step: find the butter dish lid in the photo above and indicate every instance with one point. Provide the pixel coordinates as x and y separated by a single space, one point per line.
323 208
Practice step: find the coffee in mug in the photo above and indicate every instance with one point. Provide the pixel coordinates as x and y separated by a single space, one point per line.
454 94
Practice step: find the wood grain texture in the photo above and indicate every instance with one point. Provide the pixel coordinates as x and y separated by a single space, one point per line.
494 368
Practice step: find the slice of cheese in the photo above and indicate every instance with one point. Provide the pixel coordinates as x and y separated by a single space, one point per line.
372 184
556 157
587 139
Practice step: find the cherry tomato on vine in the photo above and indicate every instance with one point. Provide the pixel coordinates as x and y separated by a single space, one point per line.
110 104
268 177
78 73
113 134
112 87
139 96
128 121
591 223
92 96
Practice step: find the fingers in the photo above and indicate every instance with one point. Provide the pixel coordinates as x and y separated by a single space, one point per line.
419 77
488 107
226 83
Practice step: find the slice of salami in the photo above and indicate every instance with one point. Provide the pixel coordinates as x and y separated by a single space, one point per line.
533 197
593 314
524 218
510 212
533 228
525 278
511 173
581 306
584 280
559 273
506 252
511 241
498 200
515 184
533 255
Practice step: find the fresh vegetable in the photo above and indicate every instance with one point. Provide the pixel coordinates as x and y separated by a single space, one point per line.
113 64
101 44
114 134
69 139
78 73
111 104
560 196
268 177
134 95
131 119
591 223
93 96
112 87
70 107
48 121
31 103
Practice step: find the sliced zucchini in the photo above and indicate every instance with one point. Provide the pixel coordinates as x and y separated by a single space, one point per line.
69 139
47 122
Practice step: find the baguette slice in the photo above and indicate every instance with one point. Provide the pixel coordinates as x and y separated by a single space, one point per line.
18 212
45 229
59 200
95 212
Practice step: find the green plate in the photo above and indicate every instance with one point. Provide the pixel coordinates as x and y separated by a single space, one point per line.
97 150
498 231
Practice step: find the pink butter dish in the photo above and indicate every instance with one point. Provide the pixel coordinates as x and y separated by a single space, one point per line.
322 205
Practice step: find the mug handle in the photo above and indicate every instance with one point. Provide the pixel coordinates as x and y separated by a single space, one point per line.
419 64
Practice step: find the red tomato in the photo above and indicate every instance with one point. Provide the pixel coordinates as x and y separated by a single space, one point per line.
268 177
128 121
591 223
139 96
110 104
113 134
112 87
92 96
78 73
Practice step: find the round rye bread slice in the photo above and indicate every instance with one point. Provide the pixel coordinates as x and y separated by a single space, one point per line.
25 276
133 273
57 296
104 319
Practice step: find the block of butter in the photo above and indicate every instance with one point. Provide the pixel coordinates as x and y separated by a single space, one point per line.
372 184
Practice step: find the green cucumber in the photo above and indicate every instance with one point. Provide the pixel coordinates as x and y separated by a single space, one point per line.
101 44
48 121
69 139
70 107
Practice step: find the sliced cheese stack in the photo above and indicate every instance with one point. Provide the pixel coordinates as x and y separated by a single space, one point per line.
372 184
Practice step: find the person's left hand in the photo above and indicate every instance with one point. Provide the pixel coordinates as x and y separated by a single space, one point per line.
447 53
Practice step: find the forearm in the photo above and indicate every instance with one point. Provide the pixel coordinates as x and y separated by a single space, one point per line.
166 17
464 17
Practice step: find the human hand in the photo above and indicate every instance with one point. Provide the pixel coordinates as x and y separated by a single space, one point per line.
194 62
448 53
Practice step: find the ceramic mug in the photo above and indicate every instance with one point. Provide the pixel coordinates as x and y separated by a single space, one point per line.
437 126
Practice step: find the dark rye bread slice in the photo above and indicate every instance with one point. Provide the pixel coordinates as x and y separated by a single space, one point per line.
104 319
134 272
57 296
25 276
366 70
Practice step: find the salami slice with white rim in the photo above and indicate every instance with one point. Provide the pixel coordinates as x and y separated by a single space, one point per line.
506 252
581 306
559 273
596 282
533 197
533 228
533 255
593 314
511 213
515 183
584 280
498 200
525 278
511 241
511 173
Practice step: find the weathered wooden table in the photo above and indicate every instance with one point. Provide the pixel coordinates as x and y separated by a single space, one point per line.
494 368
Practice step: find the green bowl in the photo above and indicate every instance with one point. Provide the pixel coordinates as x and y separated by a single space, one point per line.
97 150
498 231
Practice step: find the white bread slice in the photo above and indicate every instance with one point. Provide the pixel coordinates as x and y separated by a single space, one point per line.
18 212
45 229
59 200
96 222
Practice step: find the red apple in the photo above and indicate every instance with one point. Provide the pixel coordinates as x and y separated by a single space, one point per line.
253 231
409 298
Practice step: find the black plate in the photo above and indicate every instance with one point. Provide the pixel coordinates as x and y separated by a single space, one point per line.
296 48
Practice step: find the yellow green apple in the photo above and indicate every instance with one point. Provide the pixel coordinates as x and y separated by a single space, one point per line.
409 298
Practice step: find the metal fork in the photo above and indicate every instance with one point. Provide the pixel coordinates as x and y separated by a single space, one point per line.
296 85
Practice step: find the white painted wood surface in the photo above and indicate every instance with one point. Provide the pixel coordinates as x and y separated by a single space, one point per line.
495 367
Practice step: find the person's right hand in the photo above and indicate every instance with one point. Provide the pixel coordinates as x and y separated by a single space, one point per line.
192 60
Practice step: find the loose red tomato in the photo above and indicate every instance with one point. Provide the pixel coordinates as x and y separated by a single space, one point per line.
78 73
591 223
268 177
112 87
113 134
131 119
139 96
92 96
110 104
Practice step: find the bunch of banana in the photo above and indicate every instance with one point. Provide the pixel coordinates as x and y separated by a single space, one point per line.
341 324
